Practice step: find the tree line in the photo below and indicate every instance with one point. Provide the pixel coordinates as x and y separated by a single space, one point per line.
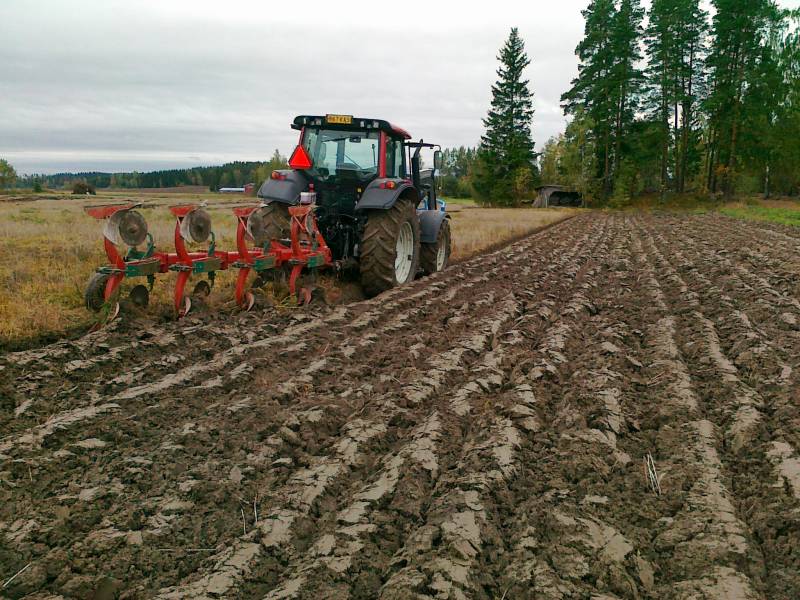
233 174
676 101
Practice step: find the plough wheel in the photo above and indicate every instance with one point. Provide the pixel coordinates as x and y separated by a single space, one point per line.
202 288
94 295
140 296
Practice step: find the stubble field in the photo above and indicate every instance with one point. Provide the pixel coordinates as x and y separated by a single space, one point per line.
605 409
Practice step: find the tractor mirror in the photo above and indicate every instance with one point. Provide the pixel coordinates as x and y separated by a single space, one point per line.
437 159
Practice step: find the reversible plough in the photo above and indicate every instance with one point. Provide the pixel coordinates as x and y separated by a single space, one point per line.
298 257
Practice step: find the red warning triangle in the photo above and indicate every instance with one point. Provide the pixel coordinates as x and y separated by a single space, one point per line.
300 159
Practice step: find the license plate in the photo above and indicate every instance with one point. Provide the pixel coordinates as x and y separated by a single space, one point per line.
339 119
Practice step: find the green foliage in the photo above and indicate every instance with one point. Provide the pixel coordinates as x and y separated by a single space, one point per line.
507 149
784 216
455 172
83 188
7 174
626 185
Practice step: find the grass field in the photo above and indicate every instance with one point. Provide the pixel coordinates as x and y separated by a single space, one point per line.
51 247
786 212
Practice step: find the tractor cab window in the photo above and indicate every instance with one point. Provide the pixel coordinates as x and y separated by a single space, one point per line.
394 158
337 153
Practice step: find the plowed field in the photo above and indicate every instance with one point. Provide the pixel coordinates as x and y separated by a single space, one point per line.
606 409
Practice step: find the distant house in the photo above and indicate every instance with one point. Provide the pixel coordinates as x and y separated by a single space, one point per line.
248 190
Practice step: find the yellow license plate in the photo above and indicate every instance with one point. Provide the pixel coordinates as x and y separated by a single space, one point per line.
339 119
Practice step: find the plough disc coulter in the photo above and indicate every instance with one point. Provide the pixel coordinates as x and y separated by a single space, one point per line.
132 254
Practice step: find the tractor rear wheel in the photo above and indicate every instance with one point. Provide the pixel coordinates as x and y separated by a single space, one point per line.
435 257
390 248
273 223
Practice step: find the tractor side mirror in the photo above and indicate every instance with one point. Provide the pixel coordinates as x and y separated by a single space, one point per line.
437 160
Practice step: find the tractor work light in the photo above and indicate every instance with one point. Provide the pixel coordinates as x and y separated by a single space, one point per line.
300 159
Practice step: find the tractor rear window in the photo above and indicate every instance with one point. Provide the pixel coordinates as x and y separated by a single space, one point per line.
336 152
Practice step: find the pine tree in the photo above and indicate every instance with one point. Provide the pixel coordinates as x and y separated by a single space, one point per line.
590 94
675 48
741 31
626 78
507 149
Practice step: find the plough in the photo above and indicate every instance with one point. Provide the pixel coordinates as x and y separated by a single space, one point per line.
301 255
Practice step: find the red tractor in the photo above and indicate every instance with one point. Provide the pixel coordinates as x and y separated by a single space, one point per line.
375 207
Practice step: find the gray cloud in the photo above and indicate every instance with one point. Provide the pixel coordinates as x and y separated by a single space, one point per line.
105 84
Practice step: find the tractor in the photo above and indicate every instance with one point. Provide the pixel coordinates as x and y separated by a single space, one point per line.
355 198
375 207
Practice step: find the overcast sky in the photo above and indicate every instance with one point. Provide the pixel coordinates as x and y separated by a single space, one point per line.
120 85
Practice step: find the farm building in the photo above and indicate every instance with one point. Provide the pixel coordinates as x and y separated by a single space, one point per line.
556 195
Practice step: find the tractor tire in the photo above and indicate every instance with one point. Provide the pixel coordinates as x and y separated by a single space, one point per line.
435 257
94 294
277 222
385 232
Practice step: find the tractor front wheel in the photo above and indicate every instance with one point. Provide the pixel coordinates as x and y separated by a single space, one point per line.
435 257
390 248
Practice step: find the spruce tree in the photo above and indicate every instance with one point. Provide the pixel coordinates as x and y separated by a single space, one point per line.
506 154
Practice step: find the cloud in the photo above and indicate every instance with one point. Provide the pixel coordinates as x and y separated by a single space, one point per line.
120 85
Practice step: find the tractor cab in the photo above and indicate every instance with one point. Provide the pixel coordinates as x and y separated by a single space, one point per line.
341 151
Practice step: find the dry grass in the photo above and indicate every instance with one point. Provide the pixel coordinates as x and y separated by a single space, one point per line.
50 248
475 229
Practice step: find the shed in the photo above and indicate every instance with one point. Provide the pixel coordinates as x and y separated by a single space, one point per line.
556 195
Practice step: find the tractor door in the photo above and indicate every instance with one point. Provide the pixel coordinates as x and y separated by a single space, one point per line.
425 179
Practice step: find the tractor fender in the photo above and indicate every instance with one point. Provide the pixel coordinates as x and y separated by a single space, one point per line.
286 188
430 221
377 197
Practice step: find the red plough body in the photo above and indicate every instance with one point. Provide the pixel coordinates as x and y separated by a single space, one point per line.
306 250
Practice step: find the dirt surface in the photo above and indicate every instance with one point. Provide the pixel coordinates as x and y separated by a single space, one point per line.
482 433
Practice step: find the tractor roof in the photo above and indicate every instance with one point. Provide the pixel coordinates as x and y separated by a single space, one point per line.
348 122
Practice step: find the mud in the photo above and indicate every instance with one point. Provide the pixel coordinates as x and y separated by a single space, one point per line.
608 408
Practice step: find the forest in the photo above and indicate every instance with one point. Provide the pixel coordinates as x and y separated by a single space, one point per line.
232 174
682 100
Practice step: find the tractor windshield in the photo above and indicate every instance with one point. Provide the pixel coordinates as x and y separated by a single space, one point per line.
338 153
